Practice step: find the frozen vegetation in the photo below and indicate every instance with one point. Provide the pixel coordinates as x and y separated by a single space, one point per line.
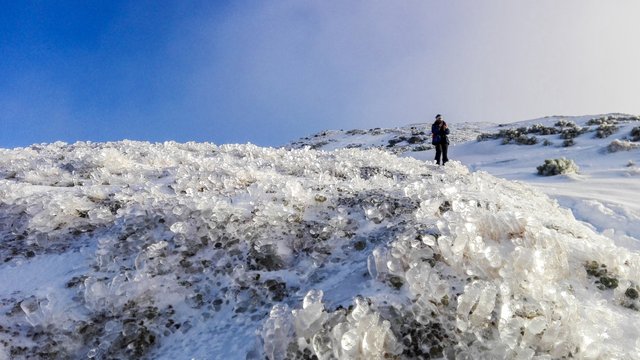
557 167
622 145
138 250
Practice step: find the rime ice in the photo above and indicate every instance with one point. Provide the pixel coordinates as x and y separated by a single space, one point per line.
197 250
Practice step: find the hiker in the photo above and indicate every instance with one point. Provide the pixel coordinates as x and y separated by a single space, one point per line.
439 132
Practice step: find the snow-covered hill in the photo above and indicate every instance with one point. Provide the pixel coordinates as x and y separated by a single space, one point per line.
411 138
606 148
172 251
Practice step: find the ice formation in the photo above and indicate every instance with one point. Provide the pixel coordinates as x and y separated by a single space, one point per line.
236 251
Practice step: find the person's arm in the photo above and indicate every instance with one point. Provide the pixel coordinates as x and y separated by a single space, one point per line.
444 128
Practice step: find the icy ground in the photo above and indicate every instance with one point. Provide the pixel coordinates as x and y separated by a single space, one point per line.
179 251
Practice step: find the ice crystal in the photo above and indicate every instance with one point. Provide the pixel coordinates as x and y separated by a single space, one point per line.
352 254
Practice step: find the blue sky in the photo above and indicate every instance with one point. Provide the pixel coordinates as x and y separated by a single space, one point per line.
268 72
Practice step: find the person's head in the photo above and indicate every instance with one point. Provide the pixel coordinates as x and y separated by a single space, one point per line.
438 119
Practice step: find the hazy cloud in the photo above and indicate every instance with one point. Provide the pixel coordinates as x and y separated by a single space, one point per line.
292 67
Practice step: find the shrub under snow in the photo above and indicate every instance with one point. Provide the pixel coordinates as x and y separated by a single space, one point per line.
605 130
190 250
557 166
635 133
622 145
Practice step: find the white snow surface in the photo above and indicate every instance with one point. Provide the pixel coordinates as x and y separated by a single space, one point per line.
347 244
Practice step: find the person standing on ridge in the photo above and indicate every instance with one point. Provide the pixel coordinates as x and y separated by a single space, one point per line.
439 132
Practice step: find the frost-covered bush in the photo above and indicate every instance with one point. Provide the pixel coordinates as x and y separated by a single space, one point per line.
519 135
516 136
186 250
605 120
557 166
524 140
565 123
622 145
604 279
509 135
319 144
356 333
606 129
572 132
356 132
546 142
486 136
568 143
628 118
416 139
394 141
635 133
542 130
421 148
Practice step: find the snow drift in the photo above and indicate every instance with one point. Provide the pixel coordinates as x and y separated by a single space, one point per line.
171 250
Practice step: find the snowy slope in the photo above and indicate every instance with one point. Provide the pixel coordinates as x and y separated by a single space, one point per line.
172 251
411 138
605 191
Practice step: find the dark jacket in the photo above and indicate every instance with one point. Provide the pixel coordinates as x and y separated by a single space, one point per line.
439 133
